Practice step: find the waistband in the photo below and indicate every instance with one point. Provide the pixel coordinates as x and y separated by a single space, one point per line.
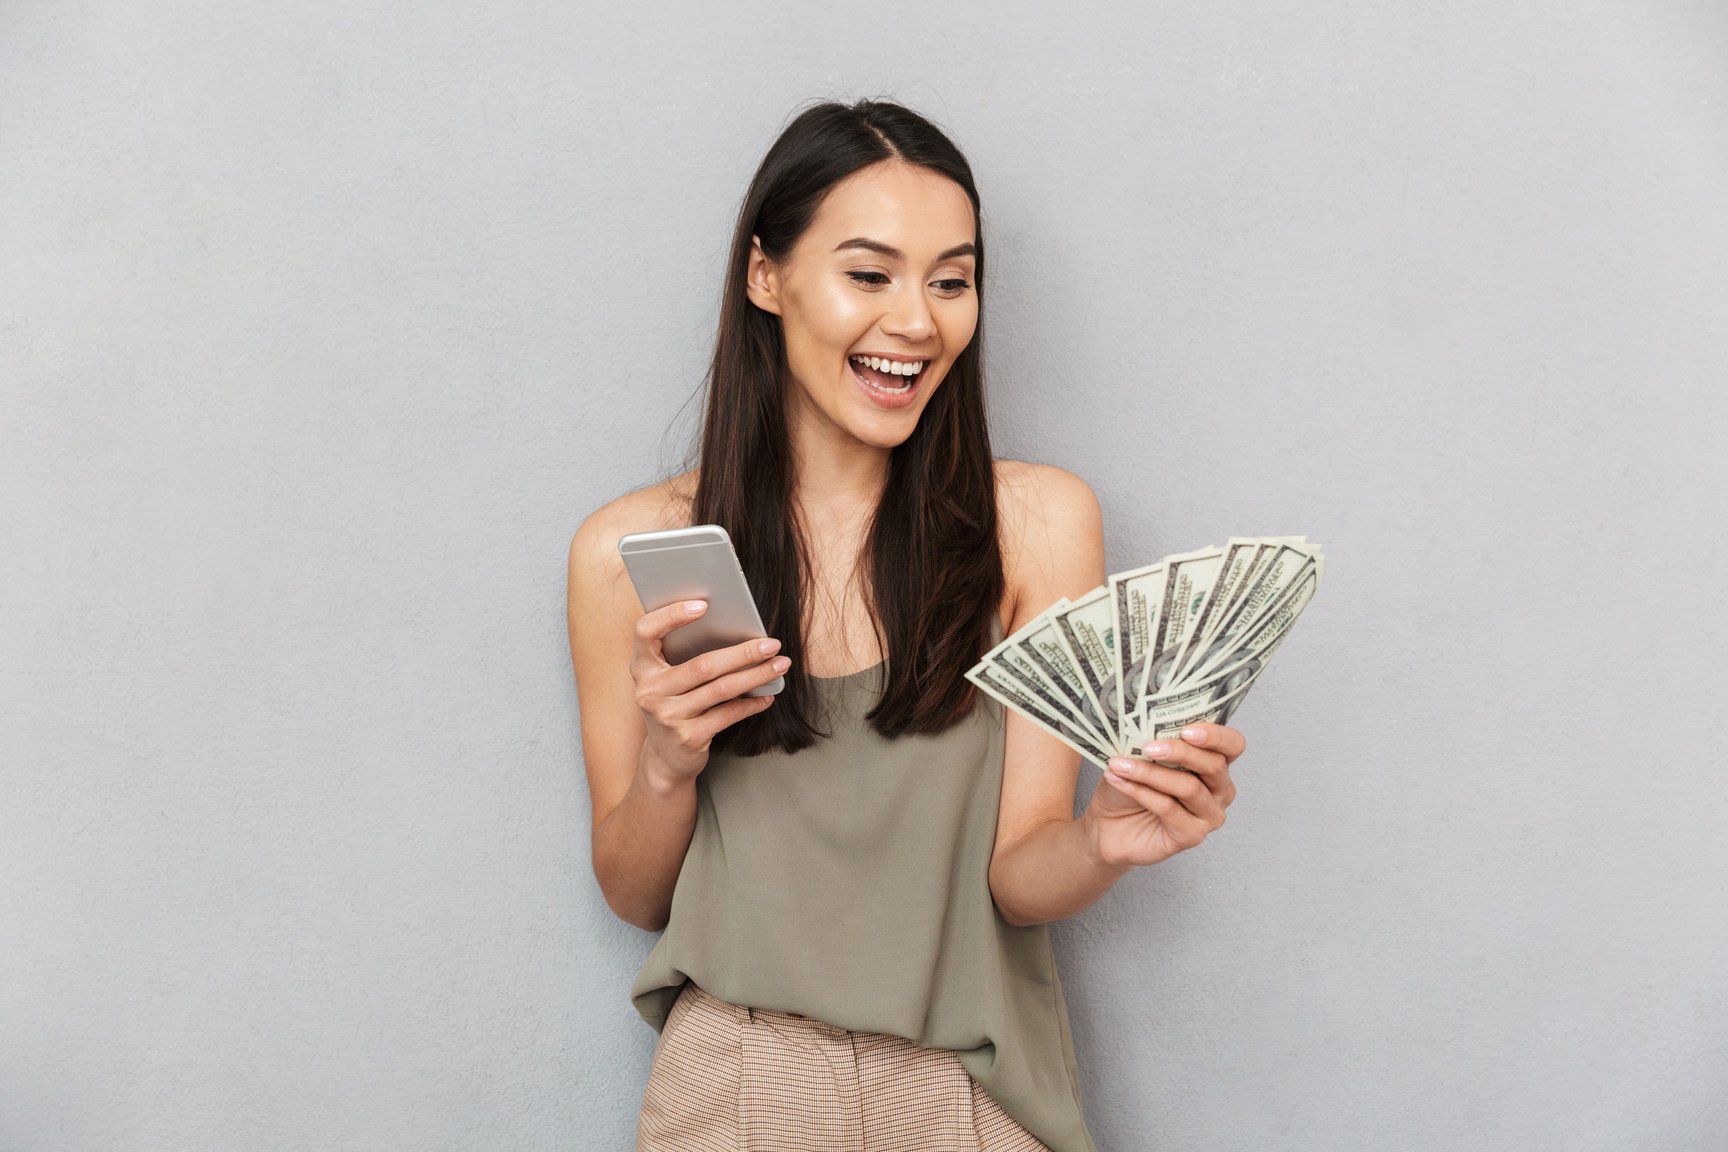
744 1013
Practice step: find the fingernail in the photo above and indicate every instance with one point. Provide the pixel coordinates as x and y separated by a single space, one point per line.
1156 748
1118 764
1192 734
693 607
769 646
781 664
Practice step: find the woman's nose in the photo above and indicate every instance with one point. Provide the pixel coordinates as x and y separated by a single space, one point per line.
909 315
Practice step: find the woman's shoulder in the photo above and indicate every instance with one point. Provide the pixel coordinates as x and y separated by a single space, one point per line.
665 504
1046 516
1033 498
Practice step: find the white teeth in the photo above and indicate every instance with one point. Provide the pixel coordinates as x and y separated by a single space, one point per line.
890 391
896 367
886 391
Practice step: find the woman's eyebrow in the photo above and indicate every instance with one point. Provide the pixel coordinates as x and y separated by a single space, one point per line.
894 253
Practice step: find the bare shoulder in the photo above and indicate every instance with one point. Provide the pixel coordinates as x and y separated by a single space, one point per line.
602 601
603 607
1050 521
1035 502
594 548
603 610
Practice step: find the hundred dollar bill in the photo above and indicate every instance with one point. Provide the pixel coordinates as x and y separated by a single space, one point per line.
1087 629
1185 704
1164 718
1135 597
1226 684
1168 722
1210 598
1281 569
1241 558
1249 636
1269 632
1273 575
1043 647
1155 648
1187 578
1014 662
992 682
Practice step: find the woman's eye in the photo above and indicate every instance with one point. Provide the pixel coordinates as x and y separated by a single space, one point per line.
953 287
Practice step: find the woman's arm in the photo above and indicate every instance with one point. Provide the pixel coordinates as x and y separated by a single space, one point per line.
646 726
642 820
1046 864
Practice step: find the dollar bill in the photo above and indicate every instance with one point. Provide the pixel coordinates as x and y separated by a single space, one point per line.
1043 646
1018 665
1187 579
1242 555
1225 684
1215 699
1155 648
1249 637
1273 575
1136 597
1087 629
992 682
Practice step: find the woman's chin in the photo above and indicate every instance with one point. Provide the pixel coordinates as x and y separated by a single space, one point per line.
865 420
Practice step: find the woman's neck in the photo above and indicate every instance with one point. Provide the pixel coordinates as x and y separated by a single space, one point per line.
836 479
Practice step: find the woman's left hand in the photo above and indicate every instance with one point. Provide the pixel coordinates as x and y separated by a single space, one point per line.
1142 812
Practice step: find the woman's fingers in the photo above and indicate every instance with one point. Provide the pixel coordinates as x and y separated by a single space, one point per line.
1175 814
755 673
1227 742
686 705
1211 767
1187 789
728 713
651 629
671 680
718 667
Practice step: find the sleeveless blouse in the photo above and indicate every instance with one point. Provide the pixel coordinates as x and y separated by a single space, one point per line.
849 882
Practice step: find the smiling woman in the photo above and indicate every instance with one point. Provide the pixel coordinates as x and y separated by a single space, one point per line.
832 962
875 255
854 877
865 313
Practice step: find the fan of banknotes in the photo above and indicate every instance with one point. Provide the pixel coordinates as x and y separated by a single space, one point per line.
1155 648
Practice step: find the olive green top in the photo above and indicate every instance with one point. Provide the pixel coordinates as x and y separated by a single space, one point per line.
849 882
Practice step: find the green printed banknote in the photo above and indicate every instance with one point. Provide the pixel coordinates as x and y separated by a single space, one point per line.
1154 648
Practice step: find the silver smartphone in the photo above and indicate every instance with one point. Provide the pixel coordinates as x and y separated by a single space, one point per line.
696 564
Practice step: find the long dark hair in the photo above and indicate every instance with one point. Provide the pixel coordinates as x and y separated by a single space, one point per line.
935 576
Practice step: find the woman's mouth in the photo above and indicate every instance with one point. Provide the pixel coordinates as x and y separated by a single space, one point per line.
888 383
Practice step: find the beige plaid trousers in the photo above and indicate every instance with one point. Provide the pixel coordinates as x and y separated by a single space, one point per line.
727 1078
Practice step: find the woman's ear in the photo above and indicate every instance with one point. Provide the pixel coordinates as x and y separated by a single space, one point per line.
761 279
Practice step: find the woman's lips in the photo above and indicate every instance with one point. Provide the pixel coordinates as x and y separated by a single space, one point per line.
887 399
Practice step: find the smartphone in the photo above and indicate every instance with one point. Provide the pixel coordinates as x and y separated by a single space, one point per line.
696 564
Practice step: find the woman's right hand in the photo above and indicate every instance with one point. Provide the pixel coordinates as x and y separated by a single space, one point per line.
685 705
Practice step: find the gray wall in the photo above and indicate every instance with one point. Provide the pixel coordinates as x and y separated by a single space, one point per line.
322 328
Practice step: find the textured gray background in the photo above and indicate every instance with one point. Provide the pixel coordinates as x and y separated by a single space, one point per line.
322 327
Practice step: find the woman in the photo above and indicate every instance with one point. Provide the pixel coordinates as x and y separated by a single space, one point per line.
856 876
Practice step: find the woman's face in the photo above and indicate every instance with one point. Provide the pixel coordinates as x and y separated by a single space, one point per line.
886 268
